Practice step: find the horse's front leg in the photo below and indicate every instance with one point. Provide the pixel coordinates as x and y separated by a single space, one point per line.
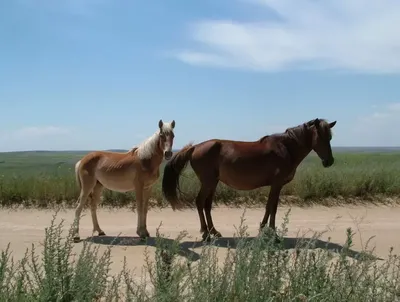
271 209
142 196
146 197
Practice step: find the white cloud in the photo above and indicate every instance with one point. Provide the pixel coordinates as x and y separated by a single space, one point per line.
378 128
356 35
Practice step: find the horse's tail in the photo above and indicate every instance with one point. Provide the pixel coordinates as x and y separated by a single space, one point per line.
172 172
78 180
77 177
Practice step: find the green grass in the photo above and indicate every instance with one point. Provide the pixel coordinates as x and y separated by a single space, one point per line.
255 269
44 178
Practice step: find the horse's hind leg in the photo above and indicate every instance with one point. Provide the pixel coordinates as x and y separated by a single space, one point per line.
87 184
203 203
200 201
207 210
96 194
207 172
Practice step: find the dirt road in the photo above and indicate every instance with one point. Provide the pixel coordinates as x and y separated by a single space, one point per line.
24 227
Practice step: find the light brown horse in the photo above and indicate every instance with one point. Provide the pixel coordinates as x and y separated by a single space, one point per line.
270 161
136 170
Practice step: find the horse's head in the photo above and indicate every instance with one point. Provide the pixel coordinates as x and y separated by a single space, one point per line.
321 140
166 140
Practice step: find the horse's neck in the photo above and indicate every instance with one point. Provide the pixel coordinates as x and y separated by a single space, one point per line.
152 162
148 148
299 147
157 157
157 153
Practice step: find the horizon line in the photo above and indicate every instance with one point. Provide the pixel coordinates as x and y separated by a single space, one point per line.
122 149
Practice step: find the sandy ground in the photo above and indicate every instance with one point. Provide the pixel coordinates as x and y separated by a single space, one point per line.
24 227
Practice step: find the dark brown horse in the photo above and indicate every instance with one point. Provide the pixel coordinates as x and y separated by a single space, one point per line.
270 161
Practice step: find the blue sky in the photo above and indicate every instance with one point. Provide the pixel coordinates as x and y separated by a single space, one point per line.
86 74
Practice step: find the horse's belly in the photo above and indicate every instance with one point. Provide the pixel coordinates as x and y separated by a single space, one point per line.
247 178
240 181
117 183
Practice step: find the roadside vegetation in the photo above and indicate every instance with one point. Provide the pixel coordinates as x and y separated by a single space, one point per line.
254 269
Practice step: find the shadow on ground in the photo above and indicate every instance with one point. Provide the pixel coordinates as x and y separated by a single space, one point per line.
224 242
151 241
291 243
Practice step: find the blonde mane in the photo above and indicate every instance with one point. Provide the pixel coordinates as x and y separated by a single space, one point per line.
147 148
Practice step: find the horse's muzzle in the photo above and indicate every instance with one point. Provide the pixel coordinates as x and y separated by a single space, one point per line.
328 162
167 155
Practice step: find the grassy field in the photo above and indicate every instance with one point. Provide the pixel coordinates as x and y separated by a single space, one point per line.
41 178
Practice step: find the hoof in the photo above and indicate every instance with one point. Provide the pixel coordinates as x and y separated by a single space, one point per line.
217 234
77 239
143 235
143 238
206 237
102 233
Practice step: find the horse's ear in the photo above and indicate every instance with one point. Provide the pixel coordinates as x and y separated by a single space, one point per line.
313 122
173 124
160 124
331 125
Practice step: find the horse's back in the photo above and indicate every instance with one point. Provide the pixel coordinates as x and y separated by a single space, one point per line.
104 160
206 147
231 150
